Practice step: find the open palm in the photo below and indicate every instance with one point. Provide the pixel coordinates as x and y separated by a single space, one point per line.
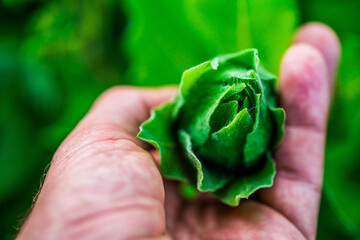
103 183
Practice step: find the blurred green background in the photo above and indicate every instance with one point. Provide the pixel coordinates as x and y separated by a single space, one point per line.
56 57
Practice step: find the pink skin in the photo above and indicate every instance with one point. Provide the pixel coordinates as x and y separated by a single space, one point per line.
104 184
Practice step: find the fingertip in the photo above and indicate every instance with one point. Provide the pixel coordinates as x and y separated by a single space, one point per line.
304 87
323 38
151 96
154 97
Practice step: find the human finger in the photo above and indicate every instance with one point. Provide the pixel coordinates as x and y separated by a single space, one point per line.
304 94
101 183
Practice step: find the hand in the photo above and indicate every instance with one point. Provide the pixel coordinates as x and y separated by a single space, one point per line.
104 184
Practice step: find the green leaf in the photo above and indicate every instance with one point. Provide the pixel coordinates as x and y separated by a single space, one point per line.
158 131
218 133
207 180
230 139
224 114
245 185
166 37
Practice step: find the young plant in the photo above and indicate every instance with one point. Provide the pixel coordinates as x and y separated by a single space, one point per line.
218 133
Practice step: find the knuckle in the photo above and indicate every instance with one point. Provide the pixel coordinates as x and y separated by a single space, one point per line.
95 139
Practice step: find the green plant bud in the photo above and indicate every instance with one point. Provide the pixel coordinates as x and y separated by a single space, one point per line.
218 133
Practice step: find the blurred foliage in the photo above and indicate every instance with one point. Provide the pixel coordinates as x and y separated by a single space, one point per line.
197 30
342 167
57 56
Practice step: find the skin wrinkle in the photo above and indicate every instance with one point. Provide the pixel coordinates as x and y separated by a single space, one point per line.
145 205
120 183
108 226
133 166
108 130
91 140
301 206
246 221
151 225
83 136
291 177
292 166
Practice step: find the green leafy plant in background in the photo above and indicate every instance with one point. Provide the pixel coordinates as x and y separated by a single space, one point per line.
166 37
218 133
342 161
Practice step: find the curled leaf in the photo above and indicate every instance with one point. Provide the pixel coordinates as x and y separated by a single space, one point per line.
218 133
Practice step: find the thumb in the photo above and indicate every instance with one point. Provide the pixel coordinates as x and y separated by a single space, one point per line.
101 183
